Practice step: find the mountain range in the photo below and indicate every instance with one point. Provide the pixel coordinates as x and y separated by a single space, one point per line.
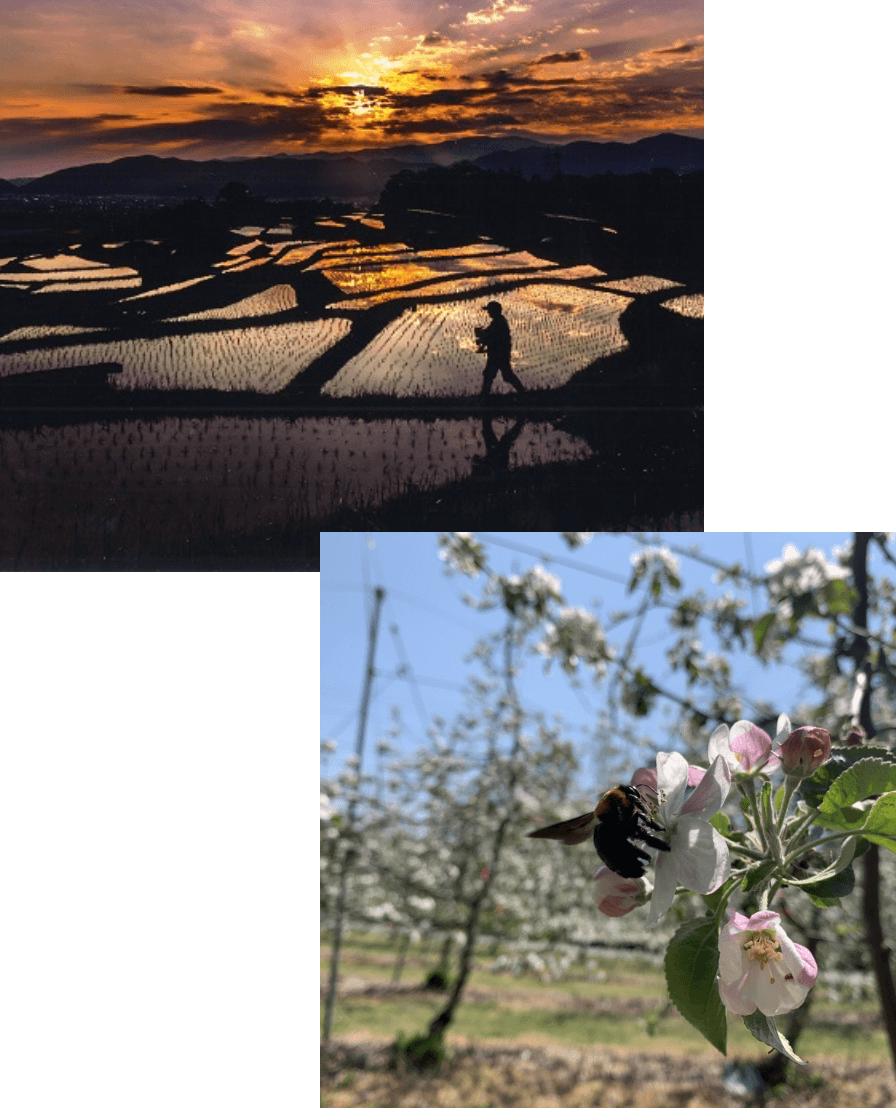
360 174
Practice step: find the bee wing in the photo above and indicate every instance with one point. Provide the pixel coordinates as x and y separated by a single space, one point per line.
570 831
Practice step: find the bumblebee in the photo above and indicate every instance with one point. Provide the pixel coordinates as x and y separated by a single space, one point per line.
620 816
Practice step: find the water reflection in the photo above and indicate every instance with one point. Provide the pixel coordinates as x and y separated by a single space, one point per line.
151 487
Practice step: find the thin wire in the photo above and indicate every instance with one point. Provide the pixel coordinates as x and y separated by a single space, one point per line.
748 547
406 667
558 558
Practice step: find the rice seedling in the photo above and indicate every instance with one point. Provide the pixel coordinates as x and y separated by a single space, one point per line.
251 263
690 305
259 359
245 247
278 298
168 288
47 332
61 262
430 350
640 284
91 286
57 274
302 253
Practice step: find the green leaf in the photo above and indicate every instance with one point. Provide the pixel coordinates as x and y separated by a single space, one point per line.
761 628
839 597
757 874
840 809
766 1031
692 965
720 822
830 889
880 827
815 788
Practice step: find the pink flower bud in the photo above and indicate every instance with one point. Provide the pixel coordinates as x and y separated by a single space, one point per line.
855 737
615 895
804 750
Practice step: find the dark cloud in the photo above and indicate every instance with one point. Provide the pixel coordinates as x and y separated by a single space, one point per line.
447 126
434 38
251 125
347 90
504 78
441 97
171 90
688 48
284 94
568 56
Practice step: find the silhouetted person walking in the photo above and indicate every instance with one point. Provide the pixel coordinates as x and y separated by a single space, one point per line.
495 340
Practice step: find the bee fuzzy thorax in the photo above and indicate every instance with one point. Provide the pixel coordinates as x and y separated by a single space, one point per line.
620 817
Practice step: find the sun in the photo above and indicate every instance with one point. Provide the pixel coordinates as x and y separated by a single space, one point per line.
362 104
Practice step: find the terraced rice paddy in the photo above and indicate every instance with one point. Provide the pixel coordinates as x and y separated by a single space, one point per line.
71 273
430 350
558 327
157 483
48 332
176 287
278 298
255 359
461 285
640 284
691 306
61 262
374 278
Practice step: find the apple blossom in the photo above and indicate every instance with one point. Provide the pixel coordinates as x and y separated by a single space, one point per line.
746 748
804 750
698 858
761 967
615 895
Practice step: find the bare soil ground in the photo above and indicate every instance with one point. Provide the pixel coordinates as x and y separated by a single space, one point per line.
539 1074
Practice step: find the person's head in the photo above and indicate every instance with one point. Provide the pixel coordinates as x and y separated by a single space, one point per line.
493 308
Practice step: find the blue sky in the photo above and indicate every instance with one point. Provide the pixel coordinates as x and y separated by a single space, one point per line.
426 625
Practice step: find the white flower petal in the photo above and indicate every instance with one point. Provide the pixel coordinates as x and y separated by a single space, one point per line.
672 780
699 855
663 890
710 794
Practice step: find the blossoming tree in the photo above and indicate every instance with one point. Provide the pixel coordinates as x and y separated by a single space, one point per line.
799 837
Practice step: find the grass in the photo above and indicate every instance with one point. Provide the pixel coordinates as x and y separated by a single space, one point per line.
579 1011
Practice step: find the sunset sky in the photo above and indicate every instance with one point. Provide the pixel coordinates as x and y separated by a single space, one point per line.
92 81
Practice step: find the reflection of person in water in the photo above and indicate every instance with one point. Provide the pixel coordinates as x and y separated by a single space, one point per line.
497 451
495 340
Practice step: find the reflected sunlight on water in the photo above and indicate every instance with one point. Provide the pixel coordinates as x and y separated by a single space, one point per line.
257 359
430 350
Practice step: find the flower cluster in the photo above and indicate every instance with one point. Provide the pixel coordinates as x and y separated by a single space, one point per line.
679 827
573 635
797 574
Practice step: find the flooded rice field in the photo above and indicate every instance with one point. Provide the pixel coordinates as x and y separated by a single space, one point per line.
318 321
430 350
100 488
239 359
